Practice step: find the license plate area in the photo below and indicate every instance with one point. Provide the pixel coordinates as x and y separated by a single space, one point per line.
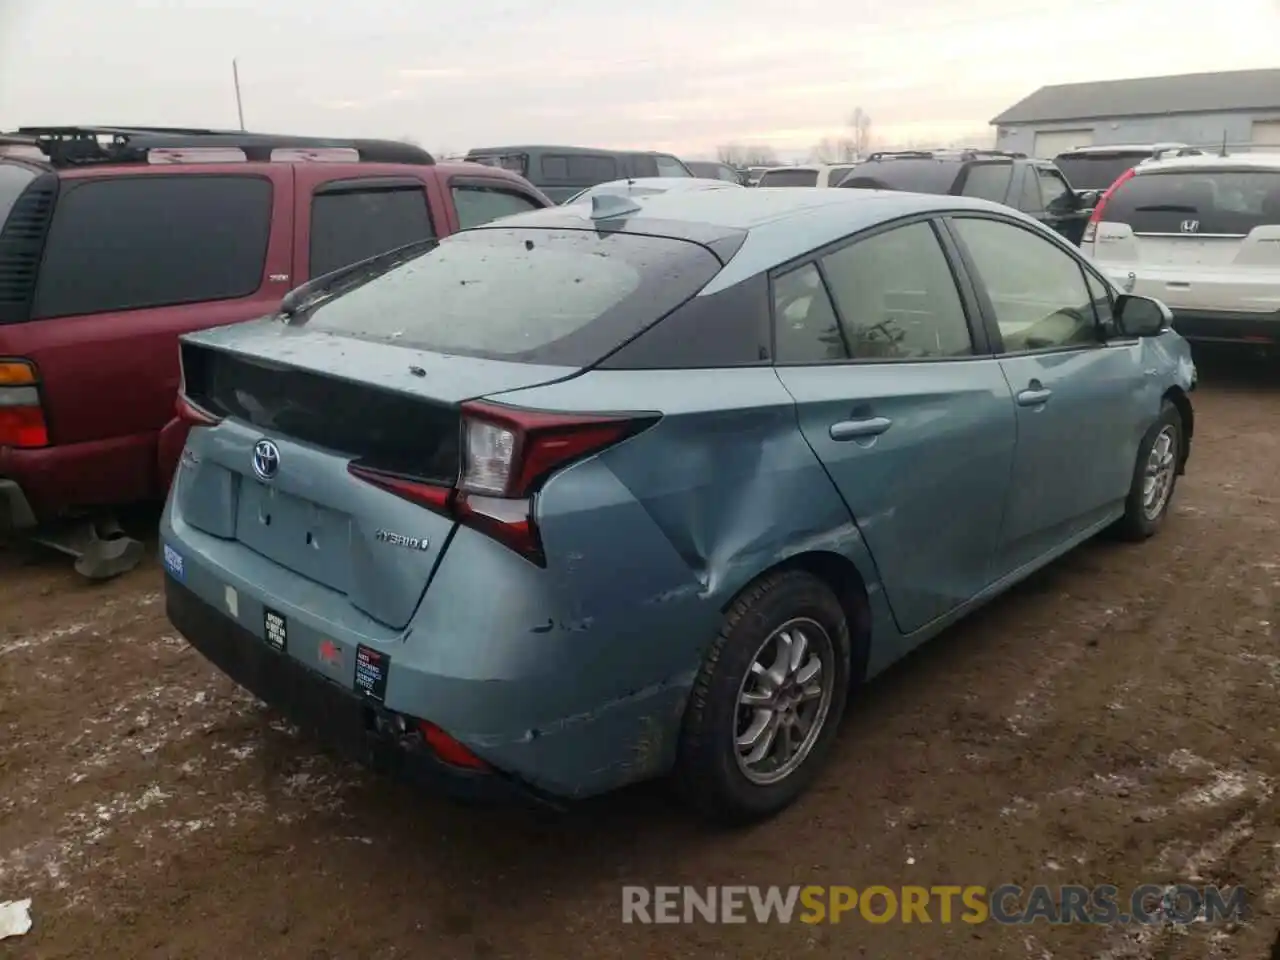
305 537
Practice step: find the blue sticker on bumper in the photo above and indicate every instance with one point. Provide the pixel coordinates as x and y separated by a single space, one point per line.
173 563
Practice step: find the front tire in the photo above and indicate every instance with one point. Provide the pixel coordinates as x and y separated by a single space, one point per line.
768 700
1155 474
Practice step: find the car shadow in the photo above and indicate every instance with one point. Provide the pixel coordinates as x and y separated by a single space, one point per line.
1222 368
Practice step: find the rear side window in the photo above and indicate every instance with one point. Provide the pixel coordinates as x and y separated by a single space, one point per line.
579 167
1230 202
643 165
1096 171
349 225
897 298
789 178
13 180
127 243
564 297
987 181
476 204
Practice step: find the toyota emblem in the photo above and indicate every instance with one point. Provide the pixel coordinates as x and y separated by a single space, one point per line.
266 460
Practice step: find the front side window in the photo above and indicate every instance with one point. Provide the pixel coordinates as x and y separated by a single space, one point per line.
352 225
127 243
1036 288
1055 194
897 297
1103 298
477 204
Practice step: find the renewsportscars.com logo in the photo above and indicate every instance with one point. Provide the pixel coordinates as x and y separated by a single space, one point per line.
1006 904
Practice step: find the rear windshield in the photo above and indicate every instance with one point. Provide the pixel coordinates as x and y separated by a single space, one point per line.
1096 171
910 175
13 180
788 178
1231 202
561 297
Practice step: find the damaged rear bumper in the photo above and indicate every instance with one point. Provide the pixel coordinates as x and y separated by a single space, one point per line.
351 726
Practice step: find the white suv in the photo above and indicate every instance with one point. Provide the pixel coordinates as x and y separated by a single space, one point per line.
807 175
1202 234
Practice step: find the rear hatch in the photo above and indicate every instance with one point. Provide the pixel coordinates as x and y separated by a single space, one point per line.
789 177
1097 169
1198 239
376 375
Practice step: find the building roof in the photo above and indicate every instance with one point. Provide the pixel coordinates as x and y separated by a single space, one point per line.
1187 93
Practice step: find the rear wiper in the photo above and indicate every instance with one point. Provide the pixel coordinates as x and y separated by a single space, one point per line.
1167 208
329 284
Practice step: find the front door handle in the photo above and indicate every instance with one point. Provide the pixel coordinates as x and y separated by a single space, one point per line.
858 429
1034 396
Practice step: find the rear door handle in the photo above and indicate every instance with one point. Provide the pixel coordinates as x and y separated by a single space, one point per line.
1034 397
857 429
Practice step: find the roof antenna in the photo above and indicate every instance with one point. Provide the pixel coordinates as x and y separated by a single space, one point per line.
1224 142
606 205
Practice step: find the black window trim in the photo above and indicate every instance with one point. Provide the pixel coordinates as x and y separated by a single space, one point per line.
68 186
987 308
500 184
969 302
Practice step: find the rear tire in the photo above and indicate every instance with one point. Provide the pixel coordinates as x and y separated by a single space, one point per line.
1155 475
784 649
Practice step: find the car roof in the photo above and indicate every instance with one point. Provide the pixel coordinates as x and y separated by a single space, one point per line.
1123 148
552 148
1235 161
780 224
809 167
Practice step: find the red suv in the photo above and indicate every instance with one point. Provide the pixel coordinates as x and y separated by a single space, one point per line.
113 242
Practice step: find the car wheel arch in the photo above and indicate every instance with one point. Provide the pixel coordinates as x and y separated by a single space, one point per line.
839 573
1176 396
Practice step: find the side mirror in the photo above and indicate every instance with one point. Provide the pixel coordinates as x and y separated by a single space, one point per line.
1088 198
1141 316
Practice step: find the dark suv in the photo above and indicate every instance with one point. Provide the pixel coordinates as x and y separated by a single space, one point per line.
1036 187
113 242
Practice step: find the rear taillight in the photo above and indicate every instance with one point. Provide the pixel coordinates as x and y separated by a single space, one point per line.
507 454
22 422
1095 218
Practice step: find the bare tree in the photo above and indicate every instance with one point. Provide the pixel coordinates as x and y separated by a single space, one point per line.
860 132
834 150
746 155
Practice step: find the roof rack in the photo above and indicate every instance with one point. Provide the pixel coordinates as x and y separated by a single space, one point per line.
79 146
964 153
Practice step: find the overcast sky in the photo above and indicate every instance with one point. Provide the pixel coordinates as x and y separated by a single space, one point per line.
681 75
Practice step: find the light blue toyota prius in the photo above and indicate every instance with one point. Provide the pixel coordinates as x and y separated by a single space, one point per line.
651 485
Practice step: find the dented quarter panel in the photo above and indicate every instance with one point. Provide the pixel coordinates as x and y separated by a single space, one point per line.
601 648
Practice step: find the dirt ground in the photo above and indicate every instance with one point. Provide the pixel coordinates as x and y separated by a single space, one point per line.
1112 720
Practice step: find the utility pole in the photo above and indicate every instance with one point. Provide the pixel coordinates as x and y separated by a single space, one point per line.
235 74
